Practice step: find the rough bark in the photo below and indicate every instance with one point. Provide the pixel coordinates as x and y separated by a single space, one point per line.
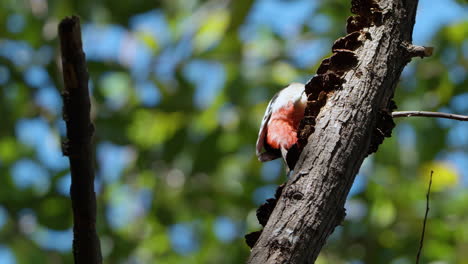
78 146
347 117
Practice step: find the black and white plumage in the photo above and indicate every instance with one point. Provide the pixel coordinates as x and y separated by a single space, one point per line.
279 124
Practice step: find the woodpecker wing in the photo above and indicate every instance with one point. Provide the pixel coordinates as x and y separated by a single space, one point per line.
268 154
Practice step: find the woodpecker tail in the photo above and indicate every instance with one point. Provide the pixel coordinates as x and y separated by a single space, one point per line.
284 154
267 156
290 156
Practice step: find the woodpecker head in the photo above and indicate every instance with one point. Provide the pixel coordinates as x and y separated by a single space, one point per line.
278 131
294 93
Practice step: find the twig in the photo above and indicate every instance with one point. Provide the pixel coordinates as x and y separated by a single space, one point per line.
78 147
425 219
430 114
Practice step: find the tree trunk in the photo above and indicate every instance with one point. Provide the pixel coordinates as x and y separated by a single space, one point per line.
347 117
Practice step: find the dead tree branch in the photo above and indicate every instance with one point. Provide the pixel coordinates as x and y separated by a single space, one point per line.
429 114
78 146
347 117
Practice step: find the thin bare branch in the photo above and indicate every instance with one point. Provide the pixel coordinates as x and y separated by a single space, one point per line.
430 114
425 219
78 146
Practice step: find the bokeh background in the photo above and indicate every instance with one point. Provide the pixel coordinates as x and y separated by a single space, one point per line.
179 88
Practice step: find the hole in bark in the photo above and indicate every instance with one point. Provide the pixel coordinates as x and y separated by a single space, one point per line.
368 36
356 23
383 129
343 60
252 238
351 41
314 86
263 214
363 7
309 120
324 66
265 210
341 216
333 81
297 196
327 80
391 106
313 110
304 133
377 18
283 245
322 97
368 13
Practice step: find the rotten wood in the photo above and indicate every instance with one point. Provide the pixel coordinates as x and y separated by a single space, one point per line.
347 117
78 145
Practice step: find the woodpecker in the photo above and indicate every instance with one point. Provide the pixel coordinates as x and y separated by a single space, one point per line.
278 131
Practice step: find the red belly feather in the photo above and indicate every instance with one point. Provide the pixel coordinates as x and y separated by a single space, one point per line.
282 128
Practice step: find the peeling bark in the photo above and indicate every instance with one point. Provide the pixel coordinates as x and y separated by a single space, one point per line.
347 117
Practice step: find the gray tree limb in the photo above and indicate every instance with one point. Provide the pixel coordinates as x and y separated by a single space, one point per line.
347 117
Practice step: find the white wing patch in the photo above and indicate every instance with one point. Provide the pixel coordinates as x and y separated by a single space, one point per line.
265 156
292 93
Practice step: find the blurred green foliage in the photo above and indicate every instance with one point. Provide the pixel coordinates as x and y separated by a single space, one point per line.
177 102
